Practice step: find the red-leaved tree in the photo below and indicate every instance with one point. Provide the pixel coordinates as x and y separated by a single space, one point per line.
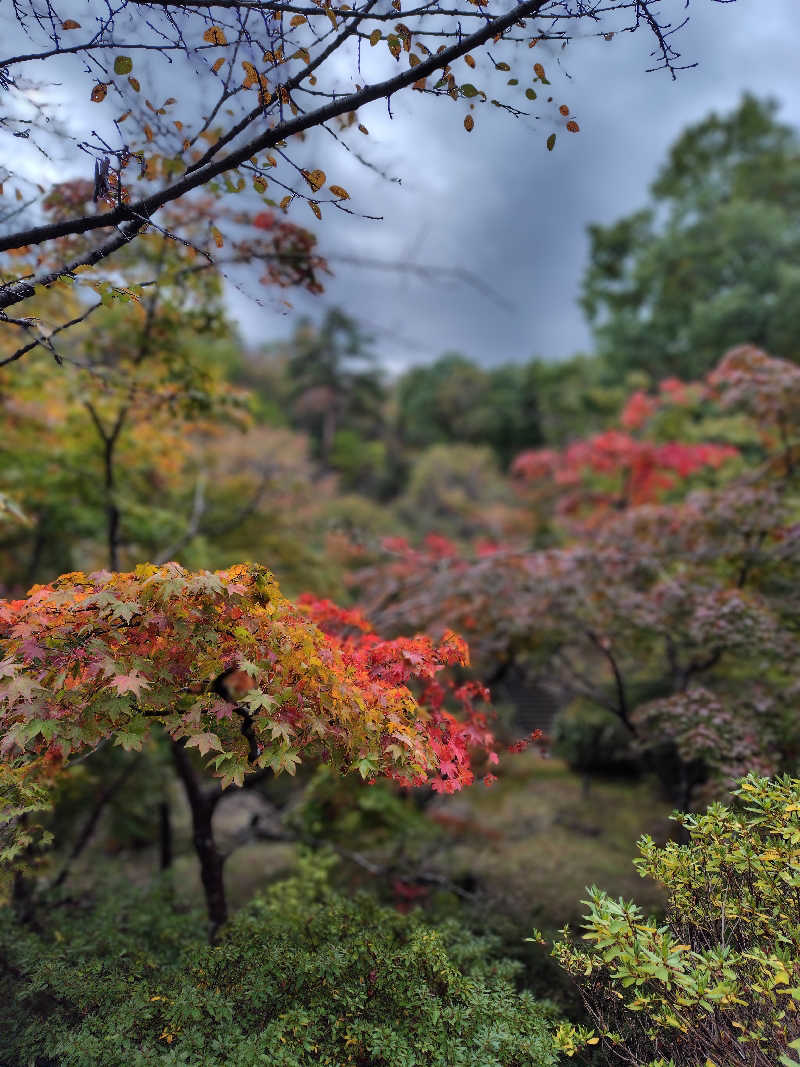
669 597
224 664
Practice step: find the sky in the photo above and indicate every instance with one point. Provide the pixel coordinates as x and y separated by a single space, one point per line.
483 235
497 204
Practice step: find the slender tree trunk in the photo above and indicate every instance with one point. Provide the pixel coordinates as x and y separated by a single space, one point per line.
112 511
109 439
210 858
103 797
23 889
165 834
23 900
328 432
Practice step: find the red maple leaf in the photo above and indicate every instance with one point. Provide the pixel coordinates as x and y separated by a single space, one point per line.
130 683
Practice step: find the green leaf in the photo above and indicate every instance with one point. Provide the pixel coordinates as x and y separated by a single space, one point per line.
469 90
551 142
367 766
123 65
255 699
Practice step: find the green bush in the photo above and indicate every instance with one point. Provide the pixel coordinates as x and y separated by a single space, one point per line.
592 740
718 982
302 976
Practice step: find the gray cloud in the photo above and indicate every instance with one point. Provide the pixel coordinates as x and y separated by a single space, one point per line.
498 204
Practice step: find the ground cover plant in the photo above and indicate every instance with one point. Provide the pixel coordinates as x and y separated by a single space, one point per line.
302 976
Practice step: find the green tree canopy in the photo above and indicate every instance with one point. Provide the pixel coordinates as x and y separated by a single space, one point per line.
454 400
335 381
714 260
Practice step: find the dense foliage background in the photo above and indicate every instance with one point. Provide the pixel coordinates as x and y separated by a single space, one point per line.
616 538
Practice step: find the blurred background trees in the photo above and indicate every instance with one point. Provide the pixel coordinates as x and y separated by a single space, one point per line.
615 534
712 262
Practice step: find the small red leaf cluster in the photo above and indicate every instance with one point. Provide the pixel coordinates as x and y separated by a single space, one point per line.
647 468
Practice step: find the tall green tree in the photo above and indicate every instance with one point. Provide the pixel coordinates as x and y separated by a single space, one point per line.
452 400
336 381
714 260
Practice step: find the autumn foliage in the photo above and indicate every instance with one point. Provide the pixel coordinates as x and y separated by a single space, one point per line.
104 655
662 587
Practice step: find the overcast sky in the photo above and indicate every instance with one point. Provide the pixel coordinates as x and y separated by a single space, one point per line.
496 203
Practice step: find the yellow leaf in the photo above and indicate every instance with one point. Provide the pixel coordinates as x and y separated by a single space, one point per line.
413 60
339 192
315 178
420 85
573 126
99 93
469 123
302 53
315 208
331 16
251 74
374 37
538 70
285 202
259 184
469 61
363 128
218 64
298 20
134 84
70 24
214 35
219 240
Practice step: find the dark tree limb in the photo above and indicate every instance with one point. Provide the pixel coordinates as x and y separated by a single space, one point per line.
129 219
106 794
208 854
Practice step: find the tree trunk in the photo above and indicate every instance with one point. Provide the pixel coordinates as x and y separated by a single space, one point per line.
165 835
210 858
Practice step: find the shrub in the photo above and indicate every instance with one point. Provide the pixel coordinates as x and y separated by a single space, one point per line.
302 976
592 740
718 982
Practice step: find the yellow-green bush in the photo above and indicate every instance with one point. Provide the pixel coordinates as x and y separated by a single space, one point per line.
717 983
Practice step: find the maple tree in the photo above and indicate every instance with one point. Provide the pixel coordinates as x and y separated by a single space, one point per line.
262 74
108 656
668 602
